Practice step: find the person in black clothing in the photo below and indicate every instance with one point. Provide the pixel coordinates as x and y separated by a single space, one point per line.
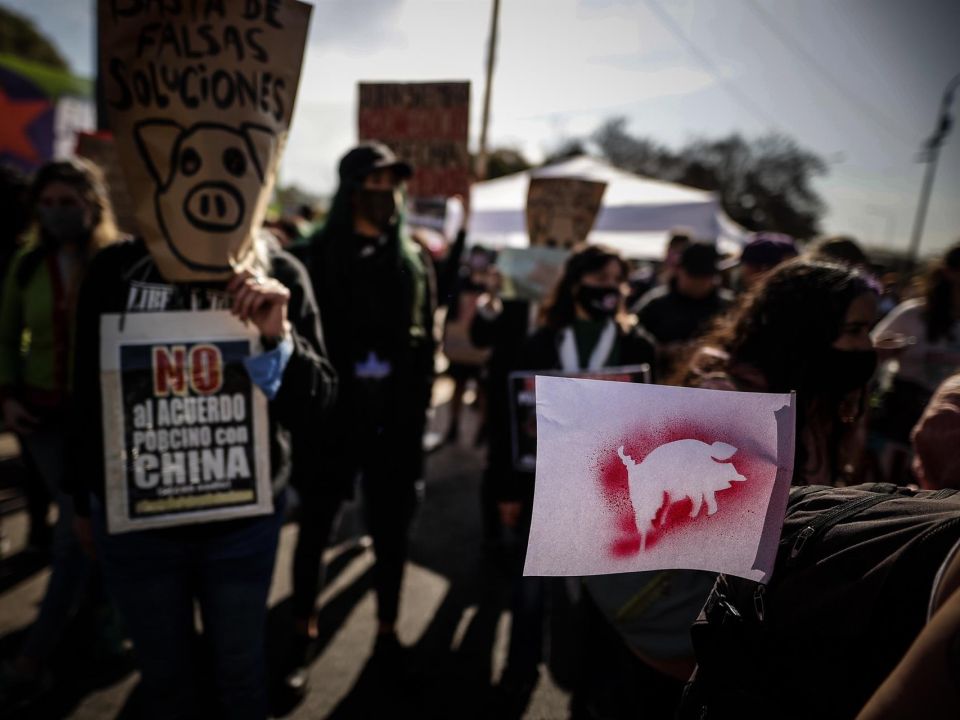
375 289
155 575
583 328
676 313
502 326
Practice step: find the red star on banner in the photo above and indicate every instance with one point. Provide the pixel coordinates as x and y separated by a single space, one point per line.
15 118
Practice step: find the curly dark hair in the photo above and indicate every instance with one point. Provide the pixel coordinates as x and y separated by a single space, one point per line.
558 309
938 293
781 330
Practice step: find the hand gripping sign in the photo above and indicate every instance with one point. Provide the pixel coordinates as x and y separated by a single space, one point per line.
186 436
199 96
633 477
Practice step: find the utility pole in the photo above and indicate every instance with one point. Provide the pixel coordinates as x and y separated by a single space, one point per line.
931 154
481 168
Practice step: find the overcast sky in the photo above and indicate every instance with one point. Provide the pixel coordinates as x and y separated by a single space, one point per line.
857 81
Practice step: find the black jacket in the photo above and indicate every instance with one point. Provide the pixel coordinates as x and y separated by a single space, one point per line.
671 317
305 395
382 303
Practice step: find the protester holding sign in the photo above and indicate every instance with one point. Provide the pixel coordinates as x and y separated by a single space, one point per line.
199 350
375 289
75 220
583 328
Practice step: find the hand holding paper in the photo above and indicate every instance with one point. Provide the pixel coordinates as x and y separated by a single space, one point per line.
263 301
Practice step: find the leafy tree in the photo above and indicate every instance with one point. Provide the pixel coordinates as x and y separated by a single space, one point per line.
20 38
763 184
505 161
566 150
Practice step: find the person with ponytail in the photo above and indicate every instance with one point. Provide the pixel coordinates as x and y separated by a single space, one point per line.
376 292
73 218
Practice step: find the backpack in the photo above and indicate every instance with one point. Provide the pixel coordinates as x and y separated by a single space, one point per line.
850 591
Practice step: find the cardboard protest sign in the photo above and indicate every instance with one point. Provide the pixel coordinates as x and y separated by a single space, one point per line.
199 97
185 429
523 406
100 149
648 477
561 211
425 124
530 273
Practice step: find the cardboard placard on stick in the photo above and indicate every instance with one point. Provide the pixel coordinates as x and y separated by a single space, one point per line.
100 149
425 124
561 211
199 97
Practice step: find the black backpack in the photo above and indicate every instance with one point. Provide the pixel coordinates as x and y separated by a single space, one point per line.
850 591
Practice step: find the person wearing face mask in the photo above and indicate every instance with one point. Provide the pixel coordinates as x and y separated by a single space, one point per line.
806 329
69 203
583 327
678 312
376 292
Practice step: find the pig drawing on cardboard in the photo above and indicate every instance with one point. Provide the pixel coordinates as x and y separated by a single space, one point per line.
209 188
676 470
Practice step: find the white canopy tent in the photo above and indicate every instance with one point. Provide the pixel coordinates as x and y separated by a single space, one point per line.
635 218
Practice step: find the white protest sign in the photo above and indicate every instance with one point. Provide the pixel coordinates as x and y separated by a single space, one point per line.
186 436
635 477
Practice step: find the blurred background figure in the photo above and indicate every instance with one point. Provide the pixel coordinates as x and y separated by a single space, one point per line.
678 312
676 243
840 249
69 202
467 361
920 342
936 437
761 254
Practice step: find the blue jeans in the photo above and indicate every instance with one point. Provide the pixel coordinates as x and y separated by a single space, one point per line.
154 577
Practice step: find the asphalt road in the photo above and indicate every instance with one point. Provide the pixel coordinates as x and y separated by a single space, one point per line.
454 618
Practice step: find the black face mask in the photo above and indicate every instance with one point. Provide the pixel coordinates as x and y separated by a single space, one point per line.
62 224
599 301
378 207
843 371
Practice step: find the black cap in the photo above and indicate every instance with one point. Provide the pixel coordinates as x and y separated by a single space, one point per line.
699 259
367 157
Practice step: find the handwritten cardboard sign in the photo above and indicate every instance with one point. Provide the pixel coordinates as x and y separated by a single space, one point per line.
561 211
633 477
425 124
199 96
185 429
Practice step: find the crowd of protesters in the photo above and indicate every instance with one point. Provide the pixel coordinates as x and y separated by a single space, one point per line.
349 331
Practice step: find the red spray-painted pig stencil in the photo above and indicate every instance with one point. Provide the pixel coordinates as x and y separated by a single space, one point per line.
679 478
682 469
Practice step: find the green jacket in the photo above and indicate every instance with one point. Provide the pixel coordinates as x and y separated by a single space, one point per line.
35 331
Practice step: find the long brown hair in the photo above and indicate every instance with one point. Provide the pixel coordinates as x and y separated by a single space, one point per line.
777 332
88 180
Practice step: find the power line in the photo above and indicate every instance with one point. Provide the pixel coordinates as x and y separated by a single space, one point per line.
868 109
743 99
